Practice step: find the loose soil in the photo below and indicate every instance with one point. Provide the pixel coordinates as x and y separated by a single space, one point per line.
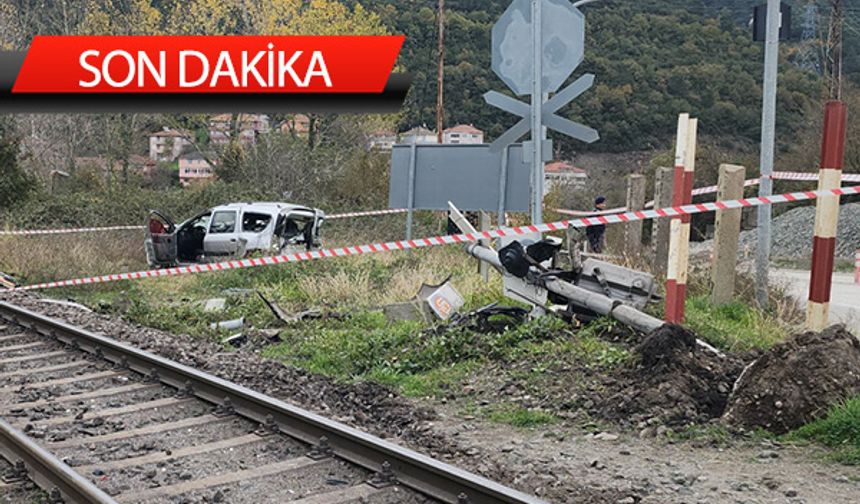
797 381
673 382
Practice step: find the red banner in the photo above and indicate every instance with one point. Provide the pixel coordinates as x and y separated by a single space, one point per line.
208 64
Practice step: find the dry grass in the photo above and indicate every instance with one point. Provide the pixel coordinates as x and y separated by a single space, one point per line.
381 279
59 257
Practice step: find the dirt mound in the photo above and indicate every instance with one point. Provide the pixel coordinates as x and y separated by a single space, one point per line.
796 381
674 382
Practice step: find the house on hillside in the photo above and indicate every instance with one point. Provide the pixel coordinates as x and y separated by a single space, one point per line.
298 124
168 144
463 134
249 126
194 169
418 135
381 140
563 174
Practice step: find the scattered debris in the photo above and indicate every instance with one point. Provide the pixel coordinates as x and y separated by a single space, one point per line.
405 311
433 302
279 313
675 382
235 340
214 305
286 318
796 381
443 300
228 325
488 319
7 282
273 335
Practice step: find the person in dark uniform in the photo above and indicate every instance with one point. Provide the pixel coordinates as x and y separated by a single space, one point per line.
595 233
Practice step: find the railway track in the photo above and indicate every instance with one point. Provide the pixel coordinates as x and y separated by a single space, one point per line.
92 420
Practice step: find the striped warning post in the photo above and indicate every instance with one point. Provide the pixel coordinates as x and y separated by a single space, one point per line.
679 234
826 216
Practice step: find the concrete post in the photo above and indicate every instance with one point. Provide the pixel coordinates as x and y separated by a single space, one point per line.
857 267
826 216
635 201
660 227
727 235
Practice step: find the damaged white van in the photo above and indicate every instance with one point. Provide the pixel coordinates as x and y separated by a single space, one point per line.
231 231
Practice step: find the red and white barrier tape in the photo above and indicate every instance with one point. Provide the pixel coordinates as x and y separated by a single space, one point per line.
367 213
35 232
449 240
851 178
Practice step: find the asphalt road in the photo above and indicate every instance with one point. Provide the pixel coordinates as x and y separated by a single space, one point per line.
844 296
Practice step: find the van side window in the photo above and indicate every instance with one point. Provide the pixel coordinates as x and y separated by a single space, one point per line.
255 222
223 222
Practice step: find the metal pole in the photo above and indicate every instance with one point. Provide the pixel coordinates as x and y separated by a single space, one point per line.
503 186
537 120
768 137
411 194
835 44
440 76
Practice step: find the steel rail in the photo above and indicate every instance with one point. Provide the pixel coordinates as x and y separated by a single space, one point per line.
419 472
46 470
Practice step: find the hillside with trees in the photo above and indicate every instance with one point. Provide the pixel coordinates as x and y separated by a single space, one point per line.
652 58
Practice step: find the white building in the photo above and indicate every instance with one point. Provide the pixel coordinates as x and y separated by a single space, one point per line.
168 144
563 173
381 140
194 169
248 126
419 135
463 134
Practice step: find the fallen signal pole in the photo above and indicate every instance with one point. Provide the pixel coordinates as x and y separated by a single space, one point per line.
522 264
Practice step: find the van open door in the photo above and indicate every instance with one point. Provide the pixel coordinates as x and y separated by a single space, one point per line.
298 229
160 241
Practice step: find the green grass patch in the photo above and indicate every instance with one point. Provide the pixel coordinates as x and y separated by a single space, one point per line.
367 343
433 383
733 327
518 416
839 429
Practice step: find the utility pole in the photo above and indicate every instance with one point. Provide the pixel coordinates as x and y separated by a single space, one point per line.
768 139
810 50
440 76
538 133
834 45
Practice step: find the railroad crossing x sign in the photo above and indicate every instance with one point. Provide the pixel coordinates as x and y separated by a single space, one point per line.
549 109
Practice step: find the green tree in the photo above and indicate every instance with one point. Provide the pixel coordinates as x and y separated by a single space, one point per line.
15 184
